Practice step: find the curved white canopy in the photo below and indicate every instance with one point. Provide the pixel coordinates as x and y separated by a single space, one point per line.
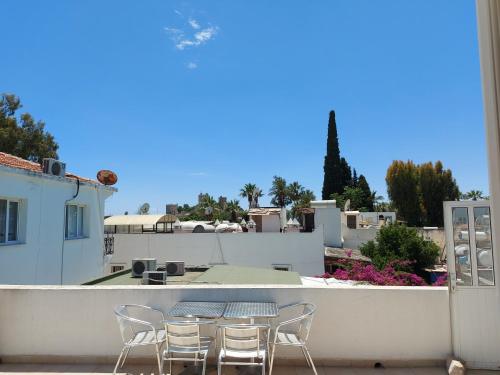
139 219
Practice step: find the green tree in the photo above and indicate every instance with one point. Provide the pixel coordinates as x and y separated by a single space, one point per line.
234 210
346 173
304 200
279 192
398 242
22 135
332 180
354 195
354 177
403 189
367 198
436 186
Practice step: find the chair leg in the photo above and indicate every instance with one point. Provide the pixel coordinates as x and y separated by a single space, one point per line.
272 360
305 356
204 366
125 356
310 359
119 359
158 358
264 365
219 365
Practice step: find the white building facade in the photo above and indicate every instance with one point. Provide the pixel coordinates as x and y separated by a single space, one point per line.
51 227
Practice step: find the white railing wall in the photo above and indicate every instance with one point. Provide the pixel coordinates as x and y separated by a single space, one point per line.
362 323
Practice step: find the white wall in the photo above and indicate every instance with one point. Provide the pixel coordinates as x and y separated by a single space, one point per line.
304 251
354 238
271 223
37 259
328 218
352 323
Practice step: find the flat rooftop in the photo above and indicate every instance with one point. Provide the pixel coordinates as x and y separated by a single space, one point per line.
219 274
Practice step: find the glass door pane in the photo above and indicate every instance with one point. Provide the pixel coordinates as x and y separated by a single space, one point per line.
13 214
484 253
461 245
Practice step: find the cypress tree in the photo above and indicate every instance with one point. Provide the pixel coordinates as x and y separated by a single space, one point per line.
346 173
354 178
367 200
332 181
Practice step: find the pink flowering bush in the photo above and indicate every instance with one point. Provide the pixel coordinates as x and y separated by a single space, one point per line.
394 273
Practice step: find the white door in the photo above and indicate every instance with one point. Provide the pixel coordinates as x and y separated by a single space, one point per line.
473 296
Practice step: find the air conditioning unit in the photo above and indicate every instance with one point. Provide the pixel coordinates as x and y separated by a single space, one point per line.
140 265
154 278
174 268
54 167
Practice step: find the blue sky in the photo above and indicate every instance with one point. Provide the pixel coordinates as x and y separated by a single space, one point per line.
182 97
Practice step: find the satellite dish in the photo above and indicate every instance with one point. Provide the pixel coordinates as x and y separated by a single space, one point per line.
107 177
347 205
144 209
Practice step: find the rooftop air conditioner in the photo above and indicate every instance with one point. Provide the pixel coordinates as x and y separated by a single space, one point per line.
174 268
54 167
154 278
140 265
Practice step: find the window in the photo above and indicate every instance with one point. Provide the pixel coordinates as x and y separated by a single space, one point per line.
282 267
75 221
9 221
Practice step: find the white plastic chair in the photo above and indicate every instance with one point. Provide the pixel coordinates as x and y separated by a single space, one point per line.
139 332
294 332
183 337
243 341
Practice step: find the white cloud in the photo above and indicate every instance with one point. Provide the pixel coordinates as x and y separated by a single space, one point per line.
198 174
177 12
191 65
194 24
199 38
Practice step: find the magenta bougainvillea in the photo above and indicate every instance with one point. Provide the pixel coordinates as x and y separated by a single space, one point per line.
394 273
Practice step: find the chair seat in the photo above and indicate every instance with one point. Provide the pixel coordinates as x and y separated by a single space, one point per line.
245 353
205 342
147 338
289 338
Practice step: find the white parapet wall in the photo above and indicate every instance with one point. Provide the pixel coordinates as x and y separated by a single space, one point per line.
303 251
355 324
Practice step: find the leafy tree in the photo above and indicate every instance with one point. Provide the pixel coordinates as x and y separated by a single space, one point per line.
249 191
304 200
398 242
346 174
295 191
234 210
473 195
436 186
279 192
402 187
22 135
354 194
367 198
332 181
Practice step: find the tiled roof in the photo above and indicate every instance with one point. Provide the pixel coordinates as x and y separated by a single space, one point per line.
12 161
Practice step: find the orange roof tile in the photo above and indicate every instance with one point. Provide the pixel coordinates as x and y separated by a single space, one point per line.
16 162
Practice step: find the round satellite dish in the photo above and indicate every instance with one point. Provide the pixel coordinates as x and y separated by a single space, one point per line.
107 177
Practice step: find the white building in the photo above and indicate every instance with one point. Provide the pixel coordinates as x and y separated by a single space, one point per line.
51 227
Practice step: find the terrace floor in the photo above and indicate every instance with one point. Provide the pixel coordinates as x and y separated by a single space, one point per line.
76 369
211 370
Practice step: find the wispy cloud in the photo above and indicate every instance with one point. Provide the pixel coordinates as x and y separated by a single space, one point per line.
191 35
191 65
194 24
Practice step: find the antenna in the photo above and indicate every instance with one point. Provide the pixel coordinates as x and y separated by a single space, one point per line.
107 177
144 209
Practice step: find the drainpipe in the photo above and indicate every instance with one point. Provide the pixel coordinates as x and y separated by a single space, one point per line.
64 226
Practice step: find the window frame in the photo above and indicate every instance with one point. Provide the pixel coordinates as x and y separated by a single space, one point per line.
81 225
7 220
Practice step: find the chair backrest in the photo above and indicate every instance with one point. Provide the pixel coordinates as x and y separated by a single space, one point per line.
128 321
242 337
183 335
306 320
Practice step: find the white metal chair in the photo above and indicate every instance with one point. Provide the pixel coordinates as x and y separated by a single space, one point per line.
183 337
294 332
243 341
139 332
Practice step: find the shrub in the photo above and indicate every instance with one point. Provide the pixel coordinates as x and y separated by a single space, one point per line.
398 242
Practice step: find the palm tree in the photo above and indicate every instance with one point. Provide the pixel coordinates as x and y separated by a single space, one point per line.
234 209
279 192
252 193
209 205
295 191
306 196
473 195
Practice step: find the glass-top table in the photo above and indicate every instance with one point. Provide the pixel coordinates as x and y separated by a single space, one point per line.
208 310
251 310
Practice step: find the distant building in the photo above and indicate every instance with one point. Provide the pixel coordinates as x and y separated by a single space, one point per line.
51 224
223 202
268 219
171 209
